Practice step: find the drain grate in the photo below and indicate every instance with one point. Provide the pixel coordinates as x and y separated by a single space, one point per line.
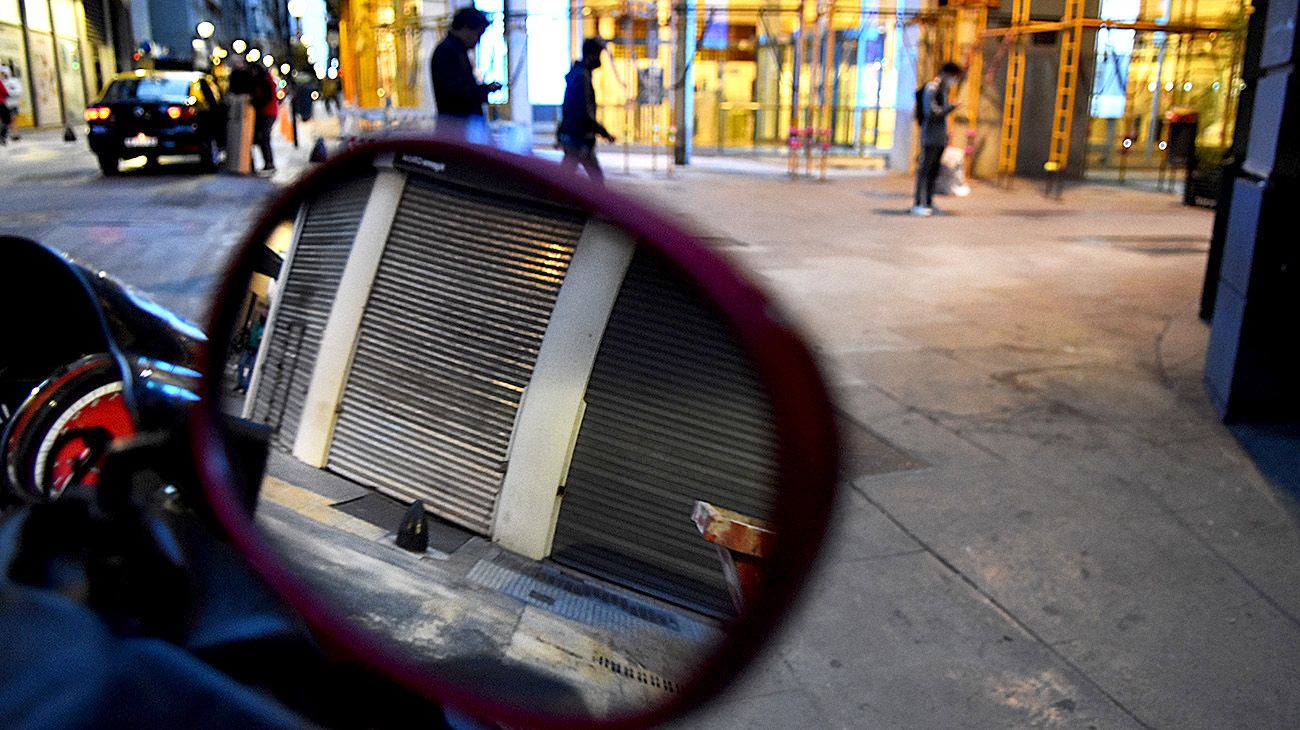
587 602
1037 213
1151 245
637 673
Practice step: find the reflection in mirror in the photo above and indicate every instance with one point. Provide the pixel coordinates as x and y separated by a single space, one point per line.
504 437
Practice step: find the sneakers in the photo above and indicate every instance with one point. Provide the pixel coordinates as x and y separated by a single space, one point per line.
922 210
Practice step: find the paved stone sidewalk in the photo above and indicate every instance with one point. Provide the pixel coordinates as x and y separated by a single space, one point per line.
1078 542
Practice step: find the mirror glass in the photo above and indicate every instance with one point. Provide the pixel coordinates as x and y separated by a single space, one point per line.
503 435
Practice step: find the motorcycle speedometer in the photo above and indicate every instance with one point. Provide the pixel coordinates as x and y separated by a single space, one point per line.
62 432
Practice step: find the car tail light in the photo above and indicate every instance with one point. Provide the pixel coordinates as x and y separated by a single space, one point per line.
98 114
176 112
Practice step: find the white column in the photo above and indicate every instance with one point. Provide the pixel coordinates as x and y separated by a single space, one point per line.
521 109
907 39
551 412
338 341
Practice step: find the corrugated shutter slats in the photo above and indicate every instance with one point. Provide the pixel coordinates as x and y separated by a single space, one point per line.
448 343
328 230
674 414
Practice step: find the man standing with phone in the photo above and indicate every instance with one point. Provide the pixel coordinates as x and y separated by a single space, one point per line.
458 94
932 110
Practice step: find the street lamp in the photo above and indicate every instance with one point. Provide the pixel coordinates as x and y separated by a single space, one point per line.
239 46
253 55
268 61
206 29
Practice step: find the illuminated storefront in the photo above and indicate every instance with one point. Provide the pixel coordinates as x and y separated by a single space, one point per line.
45 45
1145 78
740 76
747 58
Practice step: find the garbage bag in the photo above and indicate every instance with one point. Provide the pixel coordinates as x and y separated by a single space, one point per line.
952 173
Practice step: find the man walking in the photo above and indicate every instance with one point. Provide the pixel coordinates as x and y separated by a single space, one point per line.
932 110
459 96
578 125
263 95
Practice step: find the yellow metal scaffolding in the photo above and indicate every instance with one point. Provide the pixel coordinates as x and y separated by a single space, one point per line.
1009 138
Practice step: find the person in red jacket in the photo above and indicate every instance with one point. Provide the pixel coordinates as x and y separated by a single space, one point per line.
5 116
266 107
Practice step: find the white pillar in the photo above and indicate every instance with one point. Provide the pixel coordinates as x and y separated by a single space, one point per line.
550 414
907 40
338 341
521 109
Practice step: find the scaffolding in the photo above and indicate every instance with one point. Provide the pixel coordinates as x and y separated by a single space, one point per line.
1184 26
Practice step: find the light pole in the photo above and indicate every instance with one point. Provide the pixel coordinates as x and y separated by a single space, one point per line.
296 11
203 44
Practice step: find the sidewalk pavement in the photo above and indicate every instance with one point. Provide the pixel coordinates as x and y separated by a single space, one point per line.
1070 538
1066 535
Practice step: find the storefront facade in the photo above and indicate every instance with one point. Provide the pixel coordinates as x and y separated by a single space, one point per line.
740 76
61 51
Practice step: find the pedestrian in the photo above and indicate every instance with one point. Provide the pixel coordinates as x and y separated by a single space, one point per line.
579 127
5 116
458 94
933 106
11 90
249 340
330 93
266 107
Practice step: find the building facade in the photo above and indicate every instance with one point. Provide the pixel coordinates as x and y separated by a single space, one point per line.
61 51
738 76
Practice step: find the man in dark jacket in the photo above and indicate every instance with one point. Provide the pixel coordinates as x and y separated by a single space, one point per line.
933 108
578 124
459 96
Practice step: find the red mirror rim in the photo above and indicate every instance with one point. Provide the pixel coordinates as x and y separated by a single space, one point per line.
807 440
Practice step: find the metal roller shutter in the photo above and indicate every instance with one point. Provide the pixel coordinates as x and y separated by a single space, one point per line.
96 22
448 341
324 243
674 414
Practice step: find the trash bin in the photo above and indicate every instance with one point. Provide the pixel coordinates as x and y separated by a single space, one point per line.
1183 124
239 134
1204 177
302 103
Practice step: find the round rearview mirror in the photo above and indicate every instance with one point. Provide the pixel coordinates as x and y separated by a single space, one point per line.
531 450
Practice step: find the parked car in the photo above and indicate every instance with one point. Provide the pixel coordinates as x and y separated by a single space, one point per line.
157 113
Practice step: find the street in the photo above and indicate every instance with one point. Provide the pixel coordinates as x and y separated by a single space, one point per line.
1043 522
166 232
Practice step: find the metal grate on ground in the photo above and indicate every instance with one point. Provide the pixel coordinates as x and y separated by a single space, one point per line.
586 602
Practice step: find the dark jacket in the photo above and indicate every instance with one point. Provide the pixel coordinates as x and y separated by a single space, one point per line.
455 90
578 123
934 114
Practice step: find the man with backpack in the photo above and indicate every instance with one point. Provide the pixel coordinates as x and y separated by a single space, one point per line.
578 126
932 110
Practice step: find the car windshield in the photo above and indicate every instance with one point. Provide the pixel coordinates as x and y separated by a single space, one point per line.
148 89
